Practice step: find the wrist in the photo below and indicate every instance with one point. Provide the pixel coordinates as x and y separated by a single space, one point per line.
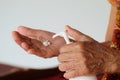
112 62
106 43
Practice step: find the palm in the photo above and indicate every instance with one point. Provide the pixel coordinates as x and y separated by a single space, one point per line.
32 40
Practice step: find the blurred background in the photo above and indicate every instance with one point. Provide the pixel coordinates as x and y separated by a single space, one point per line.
89 16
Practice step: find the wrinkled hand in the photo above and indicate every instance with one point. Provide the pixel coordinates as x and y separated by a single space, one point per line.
31 41
86 56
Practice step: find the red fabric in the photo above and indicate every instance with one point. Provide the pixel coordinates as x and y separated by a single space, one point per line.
60 77
55 77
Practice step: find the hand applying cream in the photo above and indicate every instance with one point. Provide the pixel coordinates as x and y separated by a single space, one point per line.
65 36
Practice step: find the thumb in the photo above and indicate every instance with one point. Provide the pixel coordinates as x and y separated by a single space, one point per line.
77 35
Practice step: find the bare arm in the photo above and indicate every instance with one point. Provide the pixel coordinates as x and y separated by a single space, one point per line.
111 24
109 33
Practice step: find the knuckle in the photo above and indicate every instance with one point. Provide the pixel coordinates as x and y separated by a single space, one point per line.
62 49
80 45
59 58
77 45
64 67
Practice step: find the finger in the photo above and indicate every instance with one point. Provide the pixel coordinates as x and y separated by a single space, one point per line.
77 35
41 35
73 47
25 46
72 74
17 37
29 32
66 66
75 73
71 57
19 40
38 53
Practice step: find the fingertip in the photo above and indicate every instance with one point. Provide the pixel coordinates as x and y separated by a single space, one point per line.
66 76
16 36
25 46
70 74
68 27
21 29
62 68
31 51
70 30
14 32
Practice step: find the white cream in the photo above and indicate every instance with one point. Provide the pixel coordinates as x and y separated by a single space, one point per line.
46 43
64 35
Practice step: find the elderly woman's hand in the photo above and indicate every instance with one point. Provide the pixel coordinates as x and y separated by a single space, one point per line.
31 40
86 56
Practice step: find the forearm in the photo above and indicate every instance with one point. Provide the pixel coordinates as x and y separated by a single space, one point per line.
111 24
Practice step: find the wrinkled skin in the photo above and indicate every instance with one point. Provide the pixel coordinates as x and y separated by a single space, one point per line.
31 41
84 56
